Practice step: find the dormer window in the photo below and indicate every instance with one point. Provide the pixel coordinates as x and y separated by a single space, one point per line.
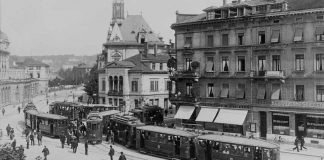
218 14
276 6
210 15
142 40
233 12
188 42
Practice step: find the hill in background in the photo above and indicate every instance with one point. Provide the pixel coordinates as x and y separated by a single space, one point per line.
305 4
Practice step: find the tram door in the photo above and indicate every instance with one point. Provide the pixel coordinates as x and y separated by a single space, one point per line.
300 125
263 124
51 127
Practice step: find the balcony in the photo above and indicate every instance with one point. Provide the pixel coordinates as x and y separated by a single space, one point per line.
182 99
184 75
115 93
268 74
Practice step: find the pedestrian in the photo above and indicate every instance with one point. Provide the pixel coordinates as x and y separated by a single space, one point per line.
21 150
86 147
11 135
47 101
19 109
75 145
13 144
302 143
45 152
8 128
39 137
3 111
62 139
122 156
32 141
27 141
112 137
296 144
111 152
166 112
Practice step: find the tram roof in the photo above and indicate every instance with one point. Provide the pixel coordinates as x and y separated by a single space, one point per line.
92 105
169 131
51 116
64 103
107 113
32 112
239 140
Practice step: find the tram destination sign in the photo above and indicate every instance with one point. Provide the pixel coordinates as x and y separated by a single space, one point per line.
297 104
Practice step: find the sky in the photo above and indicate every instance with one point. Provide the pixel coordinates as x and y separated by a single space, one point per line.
79 27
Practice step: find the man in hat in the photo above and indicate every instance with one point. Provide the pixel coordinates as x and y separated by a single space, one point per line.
111 152
45 152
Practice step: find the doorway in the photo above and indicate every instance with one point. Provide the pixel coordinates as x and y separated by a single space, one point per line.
300 125
263 125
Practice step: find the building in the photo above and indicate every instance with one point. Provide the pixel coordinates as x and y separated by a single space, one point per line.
15 86
253 68
136 81
121 65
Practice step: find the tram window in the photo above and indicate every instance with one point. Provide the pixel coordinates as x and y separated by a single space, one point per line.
216 146
247 151
238 150
94 126
257 153
226 149
266 154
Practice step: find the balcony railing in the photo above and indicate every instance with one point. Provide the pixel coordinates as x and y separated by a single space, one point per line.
115 93
184 74
267 74
183 98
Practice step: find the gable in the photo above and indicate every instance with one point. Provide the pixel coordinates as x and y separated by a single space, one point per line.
116 35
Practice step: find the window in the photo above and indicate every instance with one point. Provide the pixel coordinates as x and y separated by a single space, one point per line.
240 37
103 86
240 92
154 85
189 89
38 75
142 40
298 35
31 75
121 102
111 83
319 17
275 92
153 66
225 39
319 62
167 84
116 102
225 63
319 32
241 63
188 64
275 37
110 101
299 66
225 91
320 93
261 91
151 102
161 66
276 62
103 100
156 102
210 90
261 8
261 37
261 63
210 15
188 42
299 92
276 6
210 67
135 86
210 41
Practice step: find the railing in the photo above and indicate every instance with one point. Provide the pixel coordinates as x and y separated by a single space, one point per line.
267 74
115 93
183 98
184 74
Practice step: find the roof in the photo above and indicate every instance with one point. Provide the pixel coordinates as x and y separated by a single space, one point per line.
30 62
246 3
32 112
107 113
120 64
238 140
51 116
169 131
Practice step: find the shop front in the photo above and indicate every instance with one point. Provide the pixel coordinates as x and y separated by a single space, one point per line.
310 125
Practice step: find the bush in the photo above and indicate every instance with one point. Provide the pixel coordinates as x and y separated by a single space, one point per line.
7 153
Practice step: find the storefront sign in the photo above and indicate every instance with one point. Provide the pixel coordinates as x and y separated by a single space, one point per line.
297 104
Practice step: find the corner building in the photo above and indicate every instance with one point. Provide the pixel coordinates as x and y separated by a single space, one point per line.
261 70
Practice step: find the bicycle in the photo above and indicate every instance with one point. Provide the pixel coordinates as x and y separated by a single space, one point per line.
278 139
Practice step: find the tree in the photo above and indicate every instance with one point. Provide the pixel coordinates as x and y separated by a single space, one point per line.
91 86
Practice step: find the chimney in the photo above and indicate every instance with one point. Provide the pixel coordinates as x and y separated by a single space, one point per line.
224 2
155 49
146 49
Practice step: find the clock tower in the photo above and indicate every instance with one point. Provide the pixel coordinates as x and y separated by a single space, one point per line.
118 12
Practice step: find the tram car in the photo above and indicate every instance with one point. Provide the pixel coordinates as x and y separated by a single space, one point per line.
124 129
106 116
29 106
166 142
85 109
66 109
150 115
31 118
223 147
94 128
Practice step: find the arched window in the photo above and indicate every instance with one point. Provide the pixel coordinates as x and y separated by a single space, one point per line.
111 83
120 83
115 83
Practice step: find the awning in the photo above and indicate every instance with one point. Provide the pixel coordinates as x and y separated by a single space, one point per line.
275 93
235 117
207 115
184 112
275 36
261 93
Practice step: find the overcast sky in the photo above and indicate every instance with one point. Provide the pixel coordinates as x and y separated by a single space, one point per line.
46 27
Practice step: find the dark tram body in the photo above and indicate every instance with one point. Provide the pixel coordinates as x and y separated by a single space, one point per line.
149 115
220 147
167 142
94 128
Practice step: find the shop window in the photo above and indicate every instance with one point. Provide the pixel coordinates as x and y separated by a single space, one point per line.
240 92
261 37
240 38
241 63
110 101
261 91
298 35
320 93
225 64
225 91
275 37
299 62
161 66
188 64
153 66
276 62
315 126
319 32
210 41
210 90
319 62
300 92
280 123
189 89
261 63
275 92
225 39
210 66
232 128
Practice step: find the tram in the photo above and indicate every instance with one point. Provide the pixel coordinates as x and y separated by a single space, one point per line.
66 109
167 142
149 115
29 106
30 118
223 147
94 128
124 129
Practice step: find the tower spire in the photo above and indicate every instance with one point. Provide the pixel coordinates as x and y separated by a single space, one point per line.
118 12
